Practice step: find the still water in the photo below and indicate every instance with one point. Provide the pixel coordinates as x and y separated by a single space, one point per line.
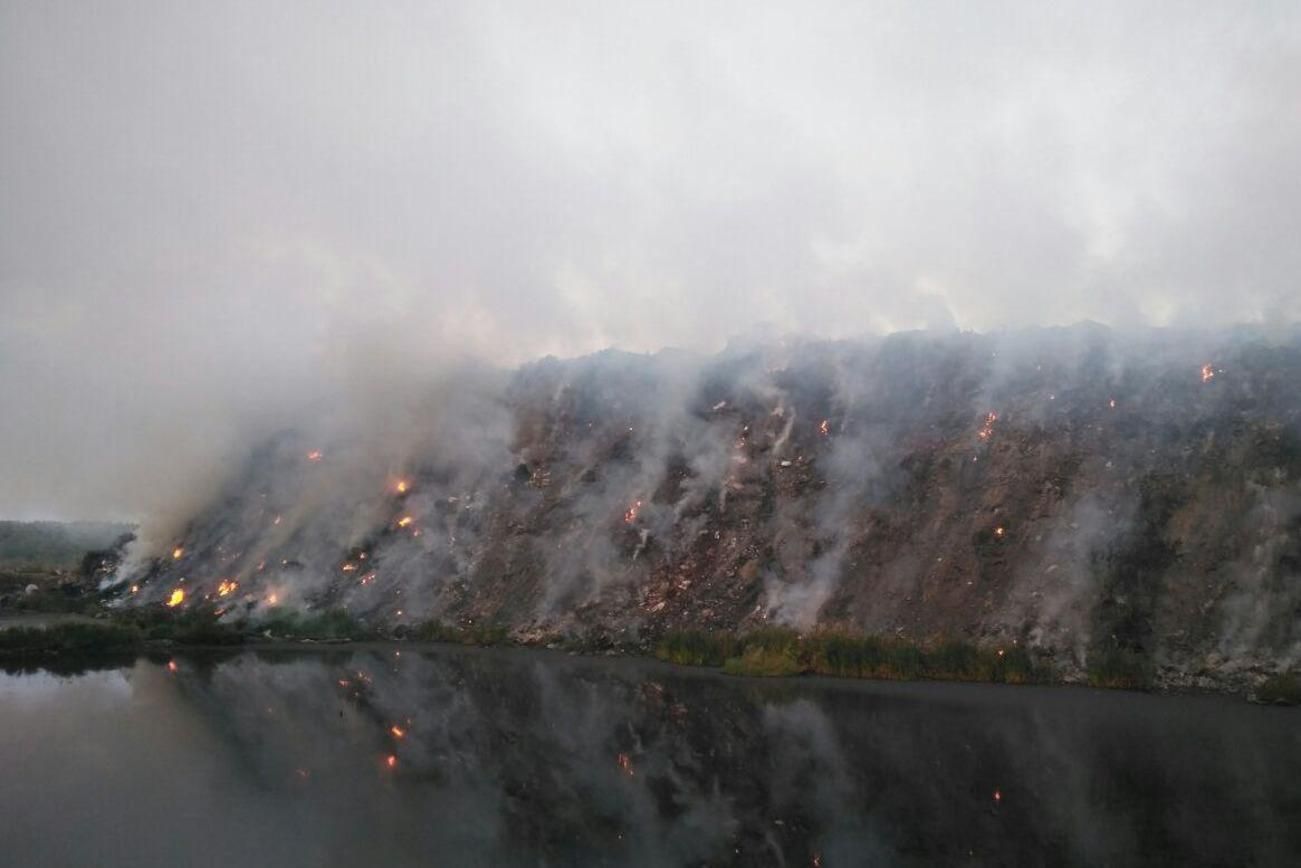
391 757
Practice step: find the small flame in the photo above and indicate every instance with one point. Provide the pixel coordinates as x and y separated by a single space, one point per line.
177 597
625 765
226 588
998 795
348 568
368 578
391 761
277 521
631 515
135 589
398 732
171 665
998 532
825 428
273 599
402 486
1208 373
315 455
987 428
405 520
177 552
1112 403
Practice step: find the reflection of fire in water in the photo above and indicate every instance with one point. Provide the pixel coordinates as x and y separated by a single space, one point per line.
315 455
631 515
225 588
625 765
177 552
987 428
177 597
1208 373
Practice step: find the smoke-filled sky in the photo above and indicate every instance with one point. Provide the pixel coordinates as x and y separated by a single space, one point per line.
211 207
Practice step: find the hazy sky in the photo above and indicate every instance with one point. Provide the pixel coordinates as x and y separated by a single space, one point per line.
205 206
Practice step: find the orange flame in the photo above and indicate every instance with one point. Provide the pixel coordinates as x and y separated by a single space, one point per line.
273 599
825 428
998 532
391 761
988 427
225 588
1208 373
405 520
135 589
397 731
631 515
177 552
177 597
315 455
402 486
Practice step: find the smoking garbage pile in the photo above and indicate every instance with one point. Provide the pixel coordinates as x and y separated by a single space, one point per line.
1075 491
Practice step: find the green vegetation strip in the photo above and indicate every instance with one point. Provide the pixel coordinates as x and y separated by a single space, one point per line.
775 652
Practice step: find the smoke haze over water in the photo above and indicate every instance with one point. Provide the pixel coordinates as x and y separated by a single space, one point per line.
219 218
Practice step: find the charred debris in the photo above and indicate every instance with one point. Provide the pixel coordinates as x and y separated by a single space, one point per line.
1123 510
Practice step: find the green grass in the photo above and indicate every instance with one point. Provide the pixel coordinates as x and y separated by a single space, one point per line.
1281 689
332 624
477 634
1118 668
780 652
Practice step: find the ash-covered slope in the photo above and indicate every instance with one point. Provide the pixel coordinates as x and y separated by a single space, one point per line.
1074 490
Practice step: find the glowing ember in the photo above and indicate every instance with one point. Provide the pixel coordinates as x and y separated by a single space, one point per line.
315 455
402 486
1208 373
397 731
405 520
177 597
824 429
226 588
998 532
987 428
625 765
391 761
631 515
177 552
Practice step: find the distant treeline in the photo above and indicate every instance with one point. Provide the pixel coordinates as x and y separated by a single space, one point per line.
54 544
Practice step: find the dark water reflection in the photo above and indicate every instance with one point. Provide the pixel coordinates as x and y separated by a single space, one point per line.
529 758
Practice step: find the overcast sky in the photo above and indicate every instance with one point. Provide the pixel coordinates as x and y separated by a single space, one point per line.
205 206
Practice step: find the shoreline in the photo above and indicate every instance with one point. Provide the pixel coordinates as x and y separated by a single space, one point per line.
124 646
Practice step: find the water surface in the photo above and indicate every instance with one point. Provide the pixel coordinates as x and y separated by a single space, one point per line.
387 756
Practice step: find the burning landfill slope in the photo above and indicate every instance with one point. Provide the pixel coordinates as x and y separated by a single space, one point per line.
1074 490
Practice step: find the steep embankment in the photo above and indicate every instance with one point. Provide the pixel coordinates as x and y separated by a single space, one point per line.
1090 497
